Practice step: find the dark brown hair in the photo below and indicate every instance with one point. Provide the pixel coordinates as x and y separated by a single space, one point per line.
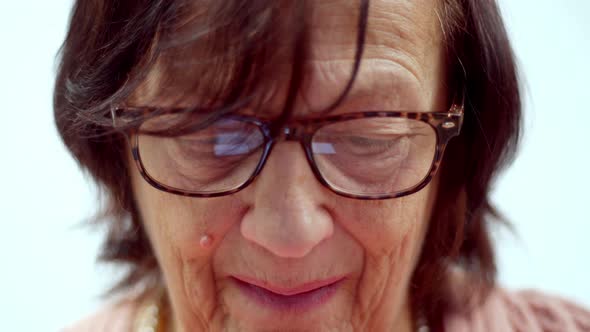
231 50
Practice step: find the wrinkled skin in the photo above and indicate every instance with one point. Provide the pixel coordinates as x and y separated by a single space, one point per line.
286 229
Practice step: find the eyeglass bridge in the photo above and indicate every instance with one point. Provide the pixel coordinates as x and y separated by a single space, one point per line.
290 133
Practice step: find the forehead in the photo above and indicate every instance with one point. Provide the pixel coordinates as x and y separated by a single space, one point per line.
401 58
393 26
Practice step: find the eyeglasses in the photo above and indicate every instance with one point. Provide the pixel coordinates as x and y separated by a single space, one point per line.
365 155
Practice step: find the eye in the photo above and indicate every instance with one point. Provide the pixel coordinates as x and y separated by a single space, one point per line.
222 140
380 154
221 155
368 145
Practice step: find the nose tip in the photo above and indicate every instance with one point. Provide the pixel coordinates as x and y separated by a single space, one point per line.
289 234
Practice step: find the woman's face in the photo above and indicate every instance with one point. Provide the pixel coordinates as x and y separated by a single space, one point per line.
287 253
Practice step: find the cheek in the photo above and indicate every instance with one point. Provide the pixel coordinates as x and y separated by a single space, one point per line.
180 222
383 227
391 234
175 225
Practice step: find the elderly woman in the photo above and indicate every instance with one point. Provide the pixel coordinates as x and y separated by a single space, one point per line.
298 165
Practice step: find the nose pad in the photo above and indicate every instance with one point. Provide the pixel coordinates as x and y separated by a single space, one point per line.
287 217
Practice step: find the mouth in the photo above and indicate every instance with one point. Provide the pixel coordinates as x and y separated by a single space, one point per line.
295 299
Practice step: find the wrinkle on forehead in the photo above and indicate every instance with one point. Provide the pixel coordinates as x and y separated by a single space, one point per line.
402 56
397 28
381 84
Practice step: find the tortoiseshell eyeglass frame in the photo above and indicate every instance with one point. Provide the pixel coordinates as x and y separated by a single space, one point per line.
445 124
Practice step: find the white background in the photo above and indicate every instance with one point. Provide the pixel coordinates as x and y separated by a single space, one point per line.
49 279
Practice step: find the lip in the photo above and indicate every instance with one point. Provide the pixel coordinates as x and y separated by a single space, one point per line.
297 299
289 291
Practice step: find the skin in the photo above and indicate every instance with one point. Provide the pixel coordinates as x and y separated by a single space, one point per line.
286 228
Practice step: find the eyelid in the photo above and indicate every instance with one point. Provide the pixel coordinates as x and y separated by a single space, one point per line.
379 131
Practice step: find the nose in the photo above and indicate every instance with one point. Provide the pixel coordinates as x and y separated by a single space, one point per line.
288 217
